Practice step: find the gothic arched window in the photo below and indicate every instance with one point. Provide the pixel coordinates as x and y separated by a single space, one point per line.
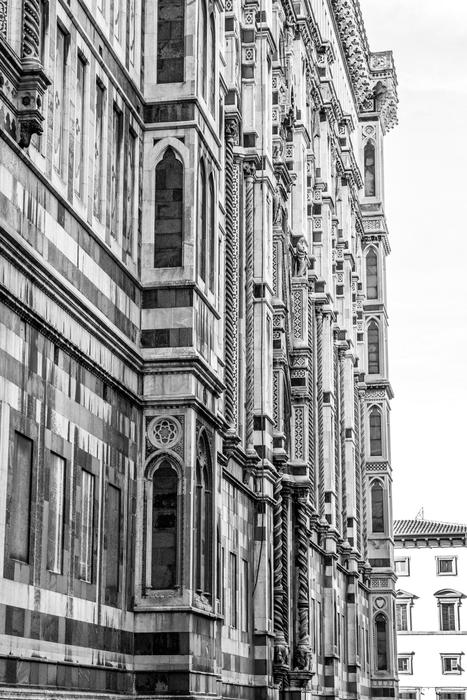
212 67
202 221
377 507
202 531
371 274
203 48
164 526
373 348
381 642
369 169
168 238
211 253
170 41
376 444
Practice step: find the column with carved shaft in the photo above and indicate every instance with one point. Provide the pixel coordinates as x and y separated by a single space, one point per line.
33 81
287 593
249 177
231 277
303 651
281 649
319 389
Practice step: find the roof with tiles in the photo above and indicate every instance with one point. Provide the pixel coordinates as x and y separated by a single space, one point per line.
420 527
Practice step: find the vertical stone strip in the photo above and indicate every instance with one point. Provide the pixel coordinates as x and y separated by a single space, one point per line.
358 472
285 558
231 275
249 175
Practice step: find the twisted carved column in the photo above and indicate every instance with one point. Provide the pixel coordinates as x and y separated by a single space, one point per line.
285 559
249 175
362 467
311 406
319 388
303 648
231 275
342 441
31 32
281 649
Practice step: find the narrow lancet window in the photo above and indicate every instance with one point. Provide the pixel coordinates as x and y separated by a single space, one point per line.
168 239
381 643
371 275
203 521
164 527
377 507
369 169
373 348
170 41
376 445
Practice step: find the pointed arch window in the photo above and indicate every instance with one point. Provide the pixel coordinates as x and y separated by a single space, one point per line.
381 642
211 256
202 554
373 348
170 41
202 221
212 67
376 443
377 507
371 274
164 526
168 238
369 169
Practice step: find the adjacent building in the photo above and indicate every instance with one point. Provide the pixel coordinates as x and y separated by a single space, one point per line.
195 474
431 564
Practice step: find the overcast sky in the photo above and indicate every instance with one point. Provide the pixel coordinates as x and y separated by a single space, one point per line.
426 207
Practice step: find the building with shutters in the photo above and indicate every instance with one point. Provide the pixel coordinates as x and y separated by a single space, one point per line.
430 560
195 474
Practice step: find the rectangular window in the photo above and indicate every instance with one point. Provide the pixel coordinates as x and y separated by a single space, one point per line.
56 513
59 100
131 187
402 617
116 172
233 589
446 566
112 544
408 695
450 695
402 567
79 125
448 617
99 150
404 663
20 499
244 596
87 526
451 664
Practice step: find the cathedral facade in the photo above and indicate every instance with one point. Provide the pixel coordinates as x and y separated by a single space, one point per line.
195 476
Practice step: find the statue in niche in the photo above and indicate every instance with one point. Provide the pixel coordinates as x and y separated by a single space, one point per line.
281 653
276 209
303 655
301 257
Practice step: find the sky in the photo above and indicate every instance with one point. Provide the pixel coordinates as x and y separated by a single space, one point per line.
426 207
